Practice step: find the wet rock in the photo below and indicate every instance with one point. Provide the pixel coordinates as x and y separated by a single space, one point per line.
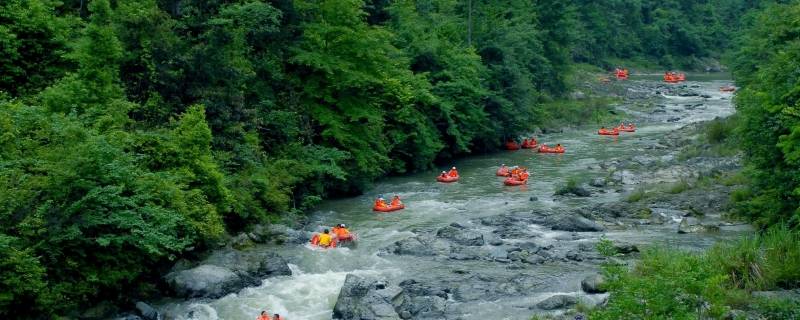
251 266
495 242
414 246
206 281
575 190
691 225
578 224
593 284
147 312
625 248
559 301
128 317
573 255
421 300
498 253
360 298
460 235
598 182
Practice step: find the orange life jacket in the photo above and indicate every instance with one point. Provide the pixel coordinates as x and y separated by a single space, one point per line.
263 317
341 232
453 173
380 203
395 202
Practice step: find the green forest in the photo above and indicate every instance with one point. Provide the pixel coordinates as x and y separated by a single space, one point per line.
137 132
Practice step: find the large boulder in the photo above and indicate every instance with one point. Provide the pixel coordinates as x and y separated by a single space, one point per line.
593 284
421 300
414 246
147 312
558 301
365 298
461 235
206 281
577 224
251 266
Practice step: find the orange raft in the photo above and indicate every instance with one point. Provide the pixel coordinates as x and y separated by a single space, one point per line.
511 181
511 145
626 128
546 149
447 179
315 242
606 132
389 208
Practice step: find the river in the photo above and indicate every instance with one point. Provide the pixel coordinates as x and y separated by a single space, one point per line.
312 290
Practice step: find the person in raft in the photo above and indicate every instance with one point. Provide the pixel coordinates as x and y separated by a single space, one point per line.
380 202
396 201
453 172
325 239
341 231
444 174
523 175
277 317
559 147
263 316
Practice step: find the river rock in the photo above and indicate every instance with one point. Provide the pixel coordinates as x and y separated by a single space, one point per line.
690 225
147 312
578 224
413 246
558 301
593 284
460 235
577 191
598 182
421 300
205 281
625 248
361 298
251 266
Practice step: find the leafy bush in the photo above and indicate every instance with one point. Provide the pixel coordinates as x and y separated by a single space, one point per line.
675 284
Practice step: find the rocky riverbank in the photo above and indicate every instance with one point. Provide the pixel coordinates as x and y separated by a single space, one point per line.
520 242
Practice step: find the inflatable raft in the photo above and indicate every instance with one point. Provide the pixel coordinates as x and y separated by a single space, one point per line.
447 179
546 149
514 182
605 132
389 208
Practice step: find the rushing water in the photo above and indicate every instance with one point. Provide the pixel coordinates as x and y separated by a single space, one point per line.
312 290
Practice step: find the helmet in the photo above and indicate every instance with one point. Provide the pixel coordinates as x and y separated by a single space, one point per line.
454 168
342 225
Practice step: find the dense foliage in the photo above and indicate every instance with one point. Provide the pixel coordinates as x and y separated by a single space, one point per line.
673 284
134 132
767 66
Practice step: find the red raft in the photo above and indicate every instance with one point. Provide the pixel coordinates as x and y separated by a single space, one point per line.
514 181
606 132
315 242
447 179
389 208
727 89
546 149
511 145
